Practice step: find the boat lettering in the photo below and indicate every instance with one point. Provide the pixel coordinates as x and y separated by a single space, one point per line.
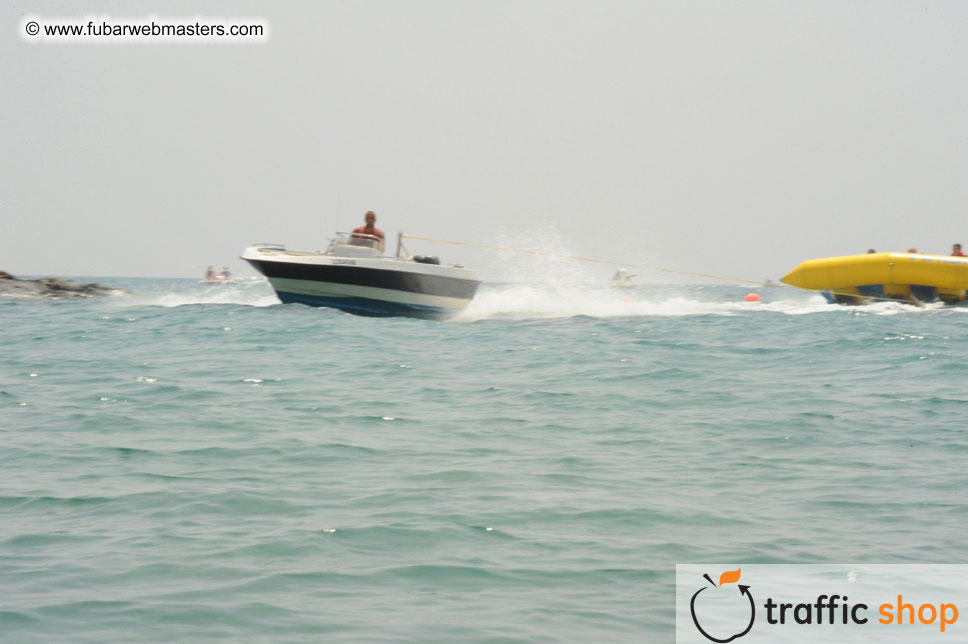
351 262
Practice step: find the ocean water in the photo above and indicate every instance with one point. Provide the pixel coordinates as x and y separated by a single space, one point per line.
197 463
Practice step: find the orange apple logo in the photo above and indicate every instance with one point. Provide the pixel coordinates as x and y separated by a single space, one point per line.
723 599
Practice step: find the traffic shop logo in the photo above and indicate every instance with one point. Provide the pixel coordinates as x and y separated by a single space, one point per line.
737 600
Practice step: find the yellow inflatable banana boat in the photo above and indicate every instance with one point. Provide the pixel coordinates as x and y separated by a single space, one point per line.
853 279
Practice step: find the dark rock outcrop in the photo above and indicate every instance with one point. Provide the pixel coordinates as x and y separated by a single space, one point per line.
50 288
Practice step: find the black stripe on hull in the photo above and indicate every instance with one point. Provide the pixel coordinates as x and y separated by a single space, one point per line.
370 308
378 278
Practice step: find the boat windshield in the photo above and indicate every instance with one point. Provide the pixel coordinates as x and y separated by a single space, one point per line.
356 244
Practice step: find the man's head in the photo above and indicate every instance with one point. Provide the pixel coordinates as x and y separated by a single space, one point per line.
956 248
370 217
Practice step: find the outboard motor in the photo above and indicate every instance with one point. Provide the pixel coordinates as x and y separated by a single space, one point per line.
426 259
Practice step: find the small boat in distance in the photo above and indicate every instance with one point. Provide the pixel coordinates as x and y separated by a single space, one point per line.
622 279
353 275
211 277
911 277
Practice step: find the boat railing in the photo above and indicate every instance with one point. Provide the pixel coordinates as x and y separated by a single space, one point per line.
270 246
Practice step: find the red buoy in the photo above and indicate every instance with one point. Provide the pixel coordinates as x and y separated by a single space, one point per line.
752 297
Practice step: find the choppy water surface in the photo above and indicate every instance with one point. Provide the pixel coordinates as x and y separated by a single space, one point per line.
194 463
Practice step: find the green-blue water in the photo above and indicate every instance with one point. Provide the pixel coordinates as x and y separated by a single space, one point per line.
195 463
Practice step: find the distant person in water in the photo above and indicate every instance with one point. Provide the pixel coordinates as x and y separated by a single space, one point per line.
210 274
957 252
369 229
871 250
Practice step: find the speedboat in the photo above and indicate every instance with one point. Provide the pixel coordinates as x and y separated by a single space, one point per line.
354 275
913 277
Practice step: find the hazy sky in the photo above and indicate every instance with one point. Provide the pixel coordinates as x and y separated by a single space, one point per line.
729 137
